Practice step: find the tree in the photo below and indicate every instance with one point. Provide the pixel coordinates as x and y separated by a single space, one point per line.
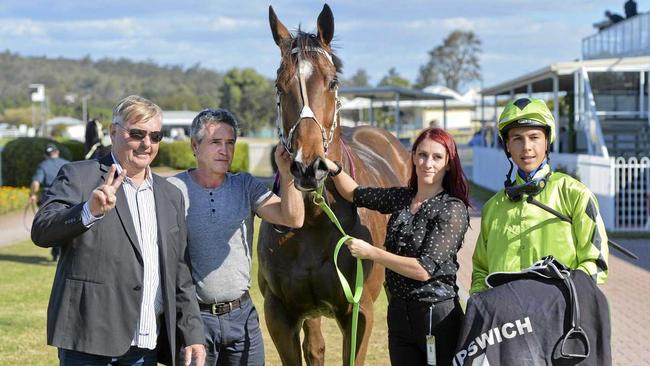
360 78
394 79
455 62
250 97
107 80
426 77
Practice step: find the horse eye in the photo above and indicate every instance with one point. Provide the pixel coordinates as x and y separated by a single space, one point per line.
334 84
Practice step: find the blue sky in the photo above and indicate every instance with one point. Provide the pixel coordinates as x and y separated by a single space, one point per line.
518 36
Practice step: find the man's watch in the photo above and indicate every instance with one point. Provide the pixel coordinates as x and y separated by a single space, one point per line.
338 170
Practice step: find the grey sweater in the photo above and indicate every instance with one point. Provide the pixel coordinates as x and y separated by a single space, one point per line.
220 233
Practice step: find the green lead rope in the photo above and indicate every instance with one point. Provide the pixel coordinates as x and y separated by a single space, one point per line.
358 287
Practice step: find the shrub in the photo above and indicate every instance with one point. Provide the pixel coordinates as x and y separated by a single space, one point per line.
240 160
21 156
175 154
178 155
76 149
12 198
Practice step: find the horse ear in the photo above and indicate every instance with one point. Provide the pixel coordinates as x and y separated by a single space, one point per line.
280 32
326 25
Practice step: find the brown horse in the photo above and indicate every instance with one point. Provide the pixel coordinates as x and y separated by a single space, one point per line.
297 275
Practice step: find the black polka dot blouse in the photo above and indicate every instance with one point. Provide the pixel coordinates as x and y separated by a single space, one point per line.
433 235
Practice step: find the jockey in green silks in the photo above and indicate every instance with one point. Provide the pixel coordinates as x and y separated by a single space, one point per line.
515 232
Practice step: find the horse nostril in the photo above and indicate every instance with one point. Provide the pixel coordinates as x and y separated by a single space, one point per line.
296 169
322 165
320 169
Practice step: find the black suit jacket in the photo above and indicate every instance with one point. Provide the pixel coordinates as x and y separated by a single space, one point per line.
95 302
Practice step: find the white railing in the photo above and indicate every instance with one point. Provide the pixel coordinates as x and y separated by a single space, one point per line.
632 194
589 120
259 158
622 186
630 37
621 114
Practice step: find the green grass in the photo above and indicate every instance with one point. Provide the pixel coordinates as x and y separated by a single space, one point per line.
27 274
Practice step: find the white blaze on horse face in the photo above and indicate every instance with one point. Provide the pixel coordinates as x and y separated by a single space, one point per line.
305 68
298 158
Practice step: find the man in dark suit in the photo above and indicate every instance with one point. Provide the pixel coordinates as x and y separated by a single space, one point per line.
122 290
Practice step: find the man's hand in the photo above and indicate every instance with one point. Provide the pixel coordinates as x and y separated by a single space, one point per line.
283 159
103 197
33 199
194 352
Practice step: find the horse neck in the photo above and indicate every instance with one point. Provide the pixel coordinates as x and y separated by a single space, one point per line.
341 152
336 150
314 214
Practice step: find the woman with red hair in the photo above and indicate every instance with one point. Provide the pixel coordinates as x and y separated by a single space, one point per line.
428 222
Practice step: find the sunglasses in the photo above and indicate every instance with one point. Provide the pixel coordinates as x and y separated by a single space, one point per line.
138 134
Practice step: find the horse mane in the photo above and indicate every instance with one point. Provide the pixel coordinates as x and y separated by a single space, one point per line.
305 41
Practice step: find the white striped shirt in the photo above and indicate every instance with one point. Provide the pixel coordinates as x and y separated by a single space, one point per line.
142 207
143 211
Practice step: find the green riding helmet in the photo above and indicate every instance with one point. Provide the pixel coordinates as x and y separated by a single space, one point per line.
527 112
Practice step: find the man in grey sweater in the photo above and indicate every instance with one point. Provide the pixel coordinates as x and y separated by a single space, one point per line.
220 207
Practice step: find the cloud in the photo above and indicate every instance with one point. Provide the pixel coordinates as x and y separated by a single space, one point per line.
226 23
20 28
65 31
517 35
441 23
126 27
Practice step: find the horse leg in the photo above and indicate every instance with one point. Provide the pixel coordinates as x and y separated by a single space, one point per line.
313 346
284 329
364 327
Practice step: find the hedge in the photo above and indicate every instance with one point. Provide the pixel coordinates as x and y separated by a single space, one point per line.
76 149
240 161
175 154
178 155
21 156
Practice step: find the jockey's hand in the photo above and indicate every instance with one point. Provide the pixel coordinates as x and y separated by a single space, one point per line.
103 198
33 199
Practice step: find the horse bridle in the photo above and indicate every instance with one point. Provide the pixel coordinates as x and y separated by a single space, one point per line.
306 111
